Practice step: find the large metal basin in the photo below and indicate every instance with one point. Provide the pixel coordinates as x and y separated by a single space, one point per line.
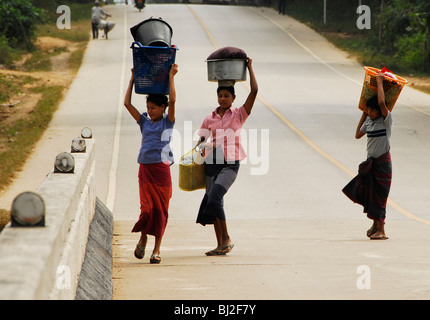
223 69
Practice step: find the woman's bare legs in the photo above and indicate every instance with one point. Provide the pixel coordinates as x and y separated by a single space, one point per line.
139 252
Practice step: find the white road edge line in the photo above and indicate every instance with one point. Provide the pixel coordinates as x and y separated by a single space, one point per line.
391 202
333 69
111 194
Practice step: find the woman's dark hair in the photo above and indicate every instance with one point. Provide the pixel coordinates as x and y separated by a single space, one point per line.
373 103
158 99
229 89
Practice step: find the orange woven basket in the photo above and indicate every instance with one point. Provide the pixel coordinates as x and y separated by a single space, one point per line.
392 88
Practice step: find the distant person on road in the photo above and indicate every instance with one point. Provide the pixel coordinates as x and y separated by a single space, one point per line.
155 158
97 13
222 157
282 6
370 188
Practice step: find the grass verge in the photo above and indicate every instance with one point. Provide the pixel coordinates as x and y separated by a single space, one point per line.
341 30
4 218
23 135
18 137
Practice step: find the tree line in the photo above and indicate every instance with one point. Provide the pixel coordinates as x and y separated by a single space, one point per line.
400 29
19 20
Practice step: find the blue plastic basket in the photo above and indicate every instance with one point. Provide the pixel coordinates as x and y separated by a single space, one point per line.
151 68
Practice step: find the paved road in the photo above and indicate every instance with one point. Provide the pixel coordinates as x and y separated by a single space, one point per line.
296 235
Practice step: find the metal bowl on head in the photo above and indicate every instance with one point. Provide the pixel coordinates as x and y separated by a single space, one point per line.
153 32
226 69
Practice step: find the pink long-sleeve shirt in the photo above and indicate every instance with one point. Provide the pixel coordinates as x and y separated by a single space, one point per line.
226 132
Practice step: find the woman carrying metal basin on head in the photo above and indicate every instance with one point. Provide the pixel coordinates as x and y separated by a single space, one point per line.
221 133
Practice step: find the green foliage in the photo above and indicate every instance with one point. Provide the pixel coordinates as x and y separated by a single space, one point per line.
399 36
406 33
21 21
18 22
24 133
6 53
80 9
11 85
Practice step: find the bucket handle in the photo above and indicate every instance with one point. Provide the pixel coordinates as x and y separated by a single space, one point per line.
199 148
137 44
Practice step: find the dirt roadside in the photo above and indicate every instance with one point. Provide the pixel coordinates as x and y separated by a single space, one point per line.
22 102
61 74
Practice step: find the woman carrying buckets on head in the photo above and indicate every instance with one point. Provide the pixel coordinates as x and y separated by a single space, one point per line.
222 156
155 155
155 183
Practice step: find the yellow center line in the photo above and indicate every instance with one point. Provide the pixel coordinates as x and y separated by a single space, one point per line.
211 38
305 138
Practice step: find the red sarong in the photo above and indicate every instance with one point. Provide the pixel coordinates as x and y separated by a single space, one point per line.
155 189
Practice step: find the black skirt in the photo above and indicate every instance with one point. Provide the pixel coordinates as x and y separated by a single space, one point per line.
370 188
220 176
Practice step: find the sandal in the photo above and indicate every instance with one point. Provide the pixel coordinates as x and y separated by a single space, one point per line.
139 252
220 252
155 258
371 231
214 252
227 248
379 237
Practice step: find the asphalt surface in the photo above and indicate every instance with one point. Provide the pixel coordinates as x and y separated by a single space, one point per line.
296 235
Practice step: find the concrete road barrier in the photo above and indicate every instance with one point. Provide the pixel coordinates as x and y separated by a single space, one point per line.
44 262
95 279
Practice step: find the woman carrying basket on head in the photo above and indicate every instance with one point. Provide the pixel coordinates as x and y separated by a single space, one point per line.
155 183
222 156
